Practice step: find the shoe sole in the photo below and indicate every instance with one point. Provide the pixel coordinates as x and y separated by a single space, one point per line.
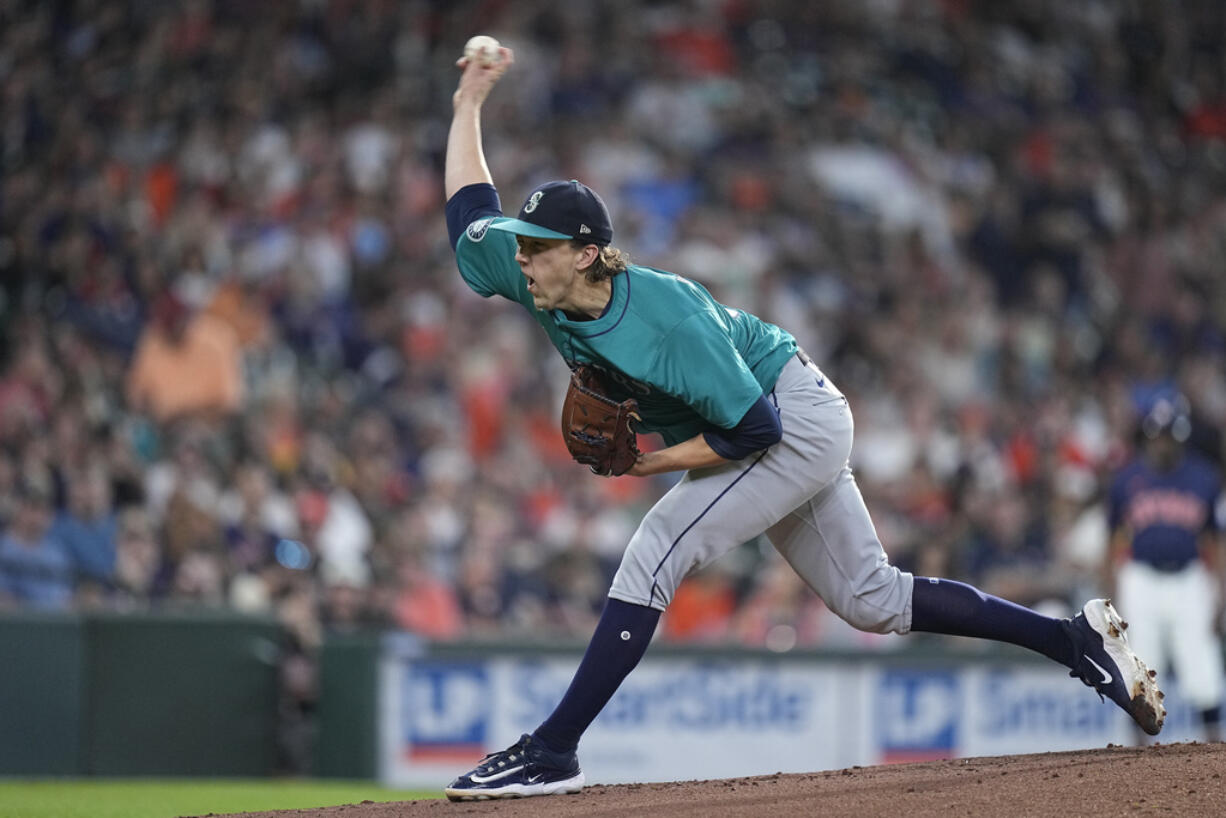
568 786
1145 705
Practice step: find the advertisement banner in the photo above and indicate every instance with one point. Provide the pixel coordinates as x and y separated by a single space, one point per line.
988 710
696 718
671 720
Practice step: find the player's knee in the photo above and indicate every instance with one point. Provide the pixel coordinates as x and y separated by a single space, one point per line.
862 615
642 579
877 603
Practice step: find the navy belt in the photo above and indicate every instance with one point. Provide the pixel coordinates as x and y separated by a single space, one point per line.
1168 566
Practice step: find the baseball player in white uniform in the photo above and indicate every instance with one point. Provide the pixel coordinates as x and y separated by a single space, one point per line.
1166 543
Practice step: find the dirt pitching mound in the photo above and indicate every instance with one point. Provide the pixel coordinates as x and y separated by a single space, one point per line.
1165 779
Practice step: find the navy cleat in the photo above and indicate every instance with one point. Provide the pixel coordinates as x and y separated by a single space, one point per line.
1105 662
525 768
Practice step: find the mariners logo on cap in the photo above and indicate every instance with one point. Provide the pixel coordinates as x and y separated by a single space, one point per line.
562 210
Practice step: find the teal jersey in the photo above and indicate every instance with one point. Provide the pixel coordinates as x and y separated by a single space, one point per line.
689 361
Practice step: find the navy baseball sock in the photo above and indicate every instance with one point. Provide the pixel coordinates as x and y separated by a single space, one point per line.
957 609
620 640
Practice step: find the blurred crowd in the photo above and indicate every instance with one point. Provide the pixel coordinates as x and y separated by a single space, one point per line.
239 369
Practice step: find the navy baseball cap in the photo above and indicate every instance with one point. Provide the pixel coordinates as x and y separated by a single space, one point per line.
1168 415
562 210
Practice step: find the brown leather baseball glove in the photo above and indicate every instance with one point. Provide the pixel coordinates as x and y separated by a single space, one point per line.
596 427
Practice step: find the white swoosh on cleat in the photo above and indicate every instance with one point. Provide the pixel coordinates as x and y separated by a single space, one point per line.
1105 680
477 779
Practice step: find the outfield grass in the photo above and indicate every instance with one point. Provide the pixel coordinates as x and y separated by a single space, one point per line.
162 798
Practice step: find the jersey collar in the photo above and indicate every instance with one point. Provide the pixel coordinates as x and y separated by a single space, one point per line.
614 311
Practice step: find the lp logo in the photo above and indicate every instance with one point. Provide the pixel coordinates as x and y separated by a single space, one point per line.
447 704
919 711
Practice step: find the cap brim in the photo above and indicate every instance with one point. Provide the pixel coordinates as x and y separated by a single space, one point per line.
522 228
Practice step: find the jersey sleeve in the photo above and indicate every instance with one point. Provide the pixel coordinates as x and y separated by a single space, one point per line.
698 363
486 259
469 203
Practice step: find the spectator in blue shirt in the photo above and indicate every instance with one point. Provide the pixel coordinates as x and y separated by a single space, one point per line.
87 526
36 570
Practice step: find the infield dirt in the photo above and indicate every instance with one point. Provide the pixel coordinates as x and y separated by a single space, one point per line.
1164 779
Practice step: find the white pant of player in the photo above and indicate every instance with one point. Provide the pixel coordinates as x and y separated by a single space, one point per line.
1170 619
800 493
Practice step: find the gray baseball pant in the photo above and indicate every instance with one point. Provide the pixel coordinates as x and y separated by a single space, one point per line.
800 493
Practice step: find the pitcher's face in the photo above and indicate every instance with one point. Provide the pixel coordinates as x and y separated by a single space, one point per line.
552 269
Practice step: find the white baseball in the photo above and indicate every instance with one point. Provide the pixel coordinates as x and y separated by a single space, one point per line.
483 50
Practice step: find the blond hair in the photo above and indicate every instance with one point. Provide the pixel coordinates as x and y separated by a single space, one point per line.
609 262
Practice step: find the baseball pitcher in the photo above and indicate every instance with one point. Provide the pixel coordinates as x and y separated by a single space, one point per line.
761 432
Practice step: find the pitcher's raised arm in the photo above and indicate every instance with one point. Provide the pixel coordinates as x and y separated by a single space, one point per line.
465 163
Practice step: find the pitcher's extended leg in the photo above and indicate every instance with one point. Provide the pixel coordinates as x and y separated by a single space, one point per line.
831 543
